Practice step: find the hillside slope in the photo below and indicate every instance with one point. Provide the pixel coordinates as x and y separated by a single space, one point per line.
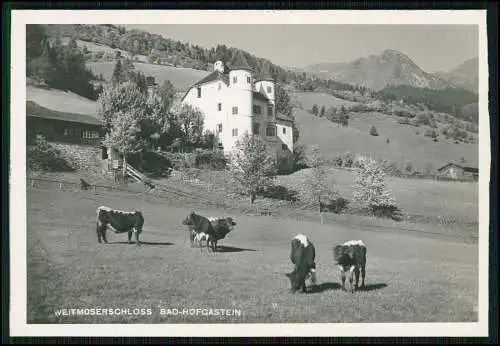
182 78
59 100
404 143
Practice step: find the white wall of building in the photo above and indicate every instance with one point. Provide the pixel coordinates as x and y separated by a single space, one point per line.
239 94
285 134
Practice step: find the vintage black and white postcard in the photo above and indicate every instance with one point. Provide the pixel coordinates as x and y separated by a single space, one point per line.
249 173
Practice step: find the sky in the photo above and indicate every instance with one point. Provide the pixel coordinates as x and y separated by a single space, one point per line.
432 47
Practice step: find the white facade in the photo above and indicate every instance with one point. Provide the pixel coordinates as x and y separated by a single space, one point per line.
234 104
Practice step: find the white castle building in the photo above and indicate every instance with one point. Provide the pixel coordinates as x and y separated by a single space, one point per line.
237 102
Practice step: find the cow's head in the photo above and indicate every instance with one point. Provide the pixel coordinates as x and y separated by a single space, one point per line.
189 219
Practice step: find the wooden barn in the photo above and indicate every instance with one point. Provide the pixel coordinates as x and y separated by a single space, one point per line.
458 172
63 127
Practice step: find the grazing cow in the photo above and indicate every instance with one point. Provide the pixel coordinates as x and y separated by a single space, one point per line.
303 256
351 256
119 221
215 228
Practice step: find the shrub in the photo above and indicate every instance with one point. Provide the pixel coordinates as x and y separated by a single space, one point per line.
153 164
208 159
41 156
373 131
286 164
279 192
335 205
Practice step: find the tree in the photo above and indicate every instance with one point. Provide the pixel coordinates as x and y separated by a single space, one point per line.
167 92
123 136
370 190
317 181
373 131
124 114
119 75
250 167
315 110
191 120
322 111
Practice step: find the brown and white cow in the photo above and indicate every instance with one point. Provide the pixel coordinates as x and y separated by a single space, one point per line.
303 255
351 257
119 221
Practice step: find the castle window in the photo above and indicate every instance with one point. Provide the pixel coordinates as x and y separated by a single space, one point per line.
269 89
235 80
199 92
235 110
219 128
235 132
284 130
270 111
271 131
219 106
284 147
256 109
256 128
249 80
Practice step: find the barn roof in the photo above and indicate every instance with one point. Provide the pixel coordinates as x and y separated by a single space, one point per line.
465 168
35 110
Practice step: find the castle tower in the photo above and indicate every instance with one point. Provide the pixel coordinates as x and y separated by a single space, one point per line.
240 90
266 85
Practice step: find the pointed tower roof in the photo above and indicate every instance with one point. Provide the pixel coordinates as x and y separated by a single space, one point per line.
240 63
265 74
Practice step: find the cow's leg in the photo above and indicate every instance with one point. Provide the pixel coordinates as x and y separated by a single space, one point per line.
342 277
137 232
363 274
356 273
129 234
103 234
98 230
351 279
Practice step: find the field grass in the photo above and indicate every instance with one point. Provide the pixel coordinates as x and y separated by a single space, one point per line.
410 277
404 144
182 78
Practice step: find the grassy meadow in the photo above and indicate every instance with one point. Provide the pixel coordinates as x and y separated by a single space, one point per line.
411 277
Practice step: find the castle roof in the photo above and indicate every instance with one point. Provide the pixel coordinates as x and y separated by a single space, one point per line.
239 63
281 116
264 75
260 96
216 75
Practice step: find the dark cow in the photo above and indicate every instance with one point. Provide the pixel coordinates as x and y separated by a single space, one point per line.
215 227
222 226
303 255
120 222
351 257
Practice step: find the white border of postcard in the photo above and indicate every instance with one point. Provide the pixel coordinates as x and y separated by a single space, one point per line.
18 290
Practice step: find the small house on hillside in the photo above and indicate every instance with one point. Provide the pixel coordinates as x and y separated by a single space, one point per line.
458 172
57 126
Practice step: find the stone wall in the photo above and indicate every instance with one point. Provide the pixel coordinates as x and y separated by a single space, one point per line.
82 157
